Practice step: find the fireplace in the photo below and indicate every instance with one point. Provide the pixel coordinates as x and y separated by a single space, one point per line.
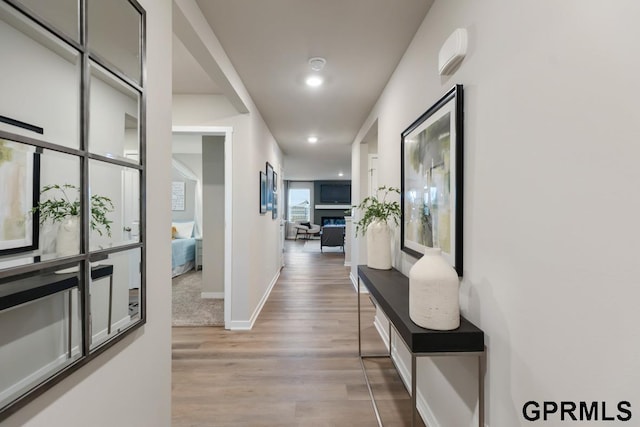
333 221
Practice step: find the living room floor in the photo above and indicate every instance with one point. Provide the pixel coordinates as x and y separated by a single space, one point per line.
299 364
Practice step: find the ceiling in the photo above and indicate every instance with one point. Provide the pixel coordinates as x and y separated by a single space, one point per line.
269 43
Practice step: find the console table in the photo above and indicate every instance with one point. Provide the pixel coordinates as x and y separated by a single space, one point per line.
390 289
32 288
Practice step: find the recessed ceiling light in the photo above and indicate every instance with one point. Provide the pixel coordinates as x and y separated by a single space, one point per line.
312 139
314 81
340 174
317 63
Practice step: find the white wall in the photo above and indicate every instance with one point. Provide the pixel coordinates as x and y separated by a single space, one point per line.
255 262
551 205
51 77
101 393
213 221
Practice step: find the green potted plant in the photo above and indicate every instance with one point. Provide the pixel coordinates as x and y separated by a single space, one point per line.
377 213
65 210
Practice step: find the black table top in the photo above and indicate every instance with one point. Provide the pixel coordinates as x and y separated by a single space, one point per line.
390 289
34 287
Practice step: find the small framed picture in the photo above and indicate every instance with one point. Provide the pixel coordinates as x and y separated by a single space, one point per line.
263 192
269 186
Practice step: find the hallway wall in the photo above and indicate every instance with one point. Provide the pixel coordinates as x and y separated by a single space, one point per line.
130 383
551 205
213 256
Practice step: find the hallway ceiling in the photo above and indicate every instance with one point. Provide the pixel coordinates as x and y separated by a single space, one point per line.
270 42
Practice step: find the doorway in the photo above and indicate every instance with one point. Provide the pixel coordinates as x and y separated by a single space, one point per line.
217 151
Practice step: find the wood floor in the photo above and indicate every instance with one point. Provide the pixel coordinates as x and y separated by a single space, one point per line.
299 364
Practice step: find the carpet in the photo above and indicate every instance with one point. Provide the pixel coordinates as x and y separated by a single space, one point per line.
188 308
314 246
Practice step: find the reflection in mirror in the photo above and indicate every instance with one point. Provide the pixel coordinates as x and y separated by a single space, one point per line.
41 329
115 294
37 220
120 46
114 112
39 84
61 14
115 196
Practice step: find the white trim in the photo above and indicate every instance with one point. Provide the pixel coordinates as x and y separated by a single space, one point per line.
227 131
245 325
382 331
102 335
36 377
354 282
405 375
228 223
347 263
333 206
212 295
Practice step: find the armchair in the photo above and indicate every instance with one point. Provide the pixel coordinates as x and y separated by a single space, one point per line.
302 229
332 236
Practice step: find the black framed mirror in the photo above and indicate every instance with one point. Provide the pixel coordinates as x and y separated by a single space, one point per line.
72 218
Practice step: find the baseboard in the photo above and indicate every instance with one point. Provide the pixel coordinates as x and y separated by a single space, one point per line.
212 295
382 331
37 376
354 282
101 335
405 375
240 325
246 325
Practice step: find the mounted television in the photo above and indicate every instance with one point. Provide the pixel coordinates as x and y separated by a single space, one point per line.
335 193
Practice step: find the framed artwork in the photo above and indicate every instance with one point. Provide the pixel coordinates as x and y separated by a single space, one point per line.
275 182
432 178
19 195
269 186
177 195
274 211
263 192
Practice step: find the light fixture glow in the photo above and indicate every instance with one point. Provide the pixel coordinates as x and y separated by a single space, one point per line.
340 174
314 81
312 139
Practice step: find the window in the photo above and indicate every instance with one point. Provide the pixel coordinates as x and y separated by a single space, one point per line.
299 205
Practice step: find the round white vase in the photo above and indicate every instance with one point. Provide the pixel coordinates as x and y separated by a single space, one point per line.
379 245
434 301
68 237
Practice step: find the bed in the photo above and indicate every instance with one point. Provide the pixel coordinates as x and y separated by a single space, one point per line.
183 256
183 248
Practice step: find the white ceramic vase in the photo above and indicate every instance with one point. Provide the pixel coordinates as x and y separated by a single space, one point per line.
434 301
68 237
379 245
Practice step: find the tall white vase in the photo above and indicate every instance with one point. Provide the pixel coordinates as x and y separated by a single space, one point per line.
68 238
434 301
379 245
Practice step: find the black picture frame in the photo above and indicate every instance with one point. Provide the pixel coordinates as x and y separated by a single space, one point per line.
263 192
432 180
269 172
30 216
275 182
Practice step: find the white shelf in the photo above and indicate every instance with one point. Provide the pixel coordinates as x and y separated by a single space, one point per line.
333 206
